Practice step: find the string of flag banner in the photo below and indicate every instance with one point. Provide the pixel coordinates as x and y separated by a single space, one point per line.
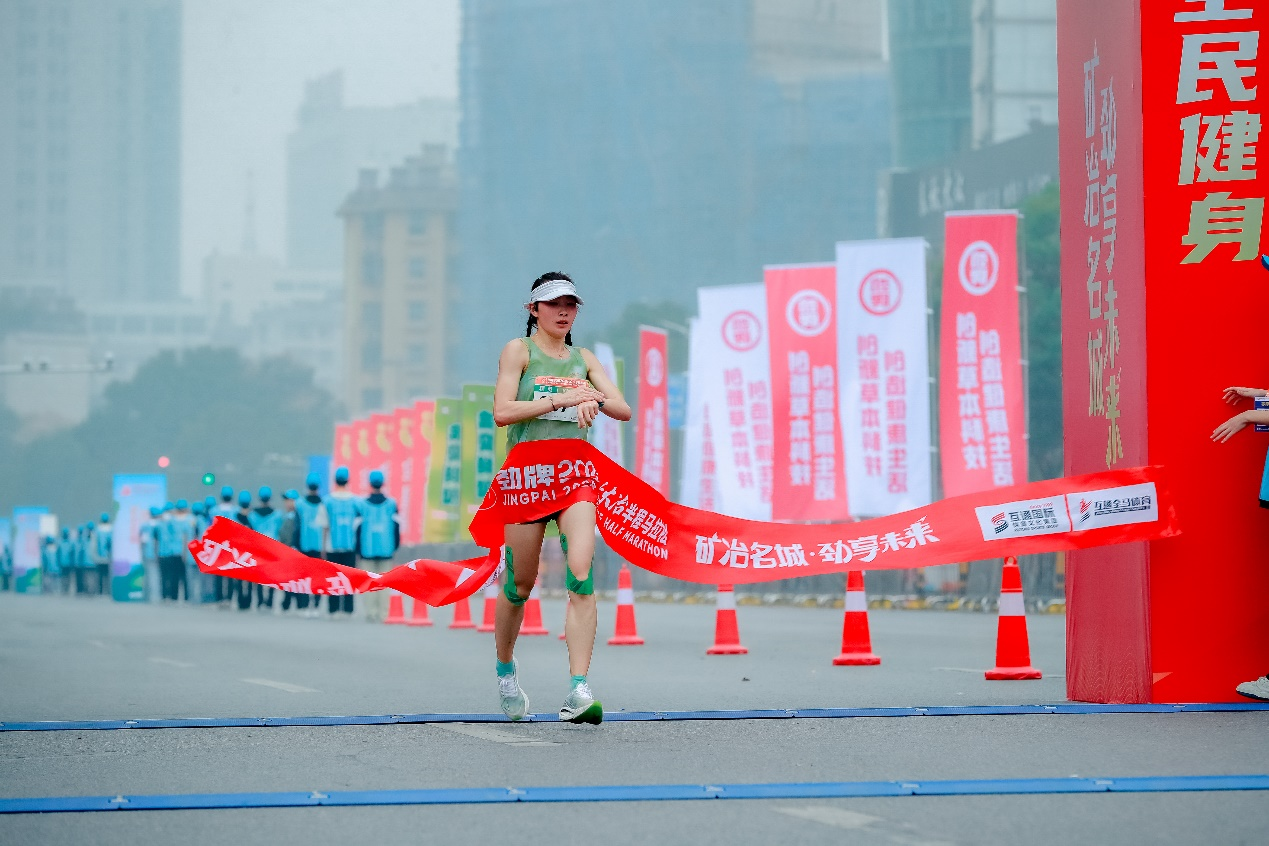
694 545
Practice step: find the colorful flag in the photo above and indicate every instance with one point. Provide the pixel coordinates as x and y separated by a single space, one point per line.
809 479
479 451
652 437
605 434
883 368
444 480
733 386
424 423
982 410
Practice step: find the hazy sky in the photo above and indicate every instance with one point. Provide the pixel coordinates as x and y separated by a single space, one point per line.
245 65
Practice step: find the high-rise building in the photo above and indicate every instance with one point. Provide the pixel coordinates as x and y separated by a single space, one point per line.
648 148
1015 68
90 136
931 50
331 142
398 238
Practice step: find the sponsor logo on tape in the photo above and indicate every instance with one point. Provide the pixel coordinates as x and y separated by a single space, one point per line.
1120 506
1024 518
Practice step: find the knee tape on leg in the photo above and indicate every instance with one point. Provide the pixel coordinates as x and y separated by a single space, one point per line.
581 587
509 584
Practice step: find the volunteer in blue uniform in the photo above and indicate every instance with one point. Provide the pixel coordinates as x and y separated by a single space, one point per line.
224 508
171 568
237 587
48 565
84 571
340 517
266 520
147 534
184 528
289 534
309 514
66 555
103 545
378 538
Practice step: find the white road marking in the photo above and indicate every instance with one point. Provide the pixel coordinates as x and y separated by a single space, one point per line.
171 662
855 821
496 735
287 686
827 815
98 644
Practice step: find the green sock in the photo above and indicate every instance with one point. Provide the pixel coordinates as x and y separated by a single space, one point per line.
507 669
578 681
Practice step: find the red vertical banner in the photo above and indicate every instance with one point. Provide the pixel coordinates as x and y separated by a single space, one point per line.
1160 109
1103 308
342 454
424 423
652 436
982 409
1206 177
359 464
400 484
381 437
809 477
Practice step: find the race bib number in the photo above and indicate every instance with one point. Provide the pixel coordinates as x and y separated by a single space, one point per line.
547 386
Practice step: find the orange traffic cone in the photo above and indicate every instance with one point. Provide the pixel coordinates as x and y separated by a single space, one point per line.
1013 651
491 608
856 640
627 633
462 615
532 622
419 617
396 610
726 630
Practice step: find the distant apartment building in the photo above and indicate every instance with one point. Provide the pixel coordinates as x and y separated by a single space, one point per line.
90 147
649 148
264 309
331 142
1015 68
931 56
968 74
398 340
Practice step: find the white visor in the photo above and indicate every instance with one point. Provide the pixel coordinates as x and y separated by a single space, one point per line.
553 290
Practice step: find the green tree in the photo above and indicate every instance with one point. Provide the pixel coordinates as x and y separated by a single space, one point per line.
1042 242
207 409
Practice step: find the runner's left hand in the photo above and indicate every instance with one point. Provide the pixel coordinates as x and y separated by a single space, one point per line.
586 414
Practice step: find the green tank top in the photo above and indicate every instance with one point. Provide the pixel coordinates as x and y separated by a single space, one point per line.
541 364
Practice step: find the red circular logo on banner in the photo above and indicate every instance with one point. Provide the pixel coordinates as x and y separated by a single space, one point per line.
880 292
125 491
654 366
808 312
979 267
742 331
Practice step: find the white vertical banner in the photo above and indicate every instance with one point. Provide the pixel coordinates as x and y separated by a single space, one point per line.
605 433
734 375
883 361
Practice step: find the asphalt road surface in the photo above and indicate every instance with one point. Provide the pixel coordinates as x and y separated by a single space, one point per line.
63 658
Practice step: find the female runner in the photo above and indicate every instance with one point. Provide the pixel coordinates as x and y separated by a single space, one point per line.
534 409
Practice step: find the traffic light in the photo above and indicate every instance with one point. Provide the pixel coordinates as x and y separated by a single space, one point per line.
209 478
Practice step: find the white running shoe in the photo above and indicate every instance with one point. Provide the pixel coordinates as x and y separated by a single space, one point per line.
1258 689
580 706
515 703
